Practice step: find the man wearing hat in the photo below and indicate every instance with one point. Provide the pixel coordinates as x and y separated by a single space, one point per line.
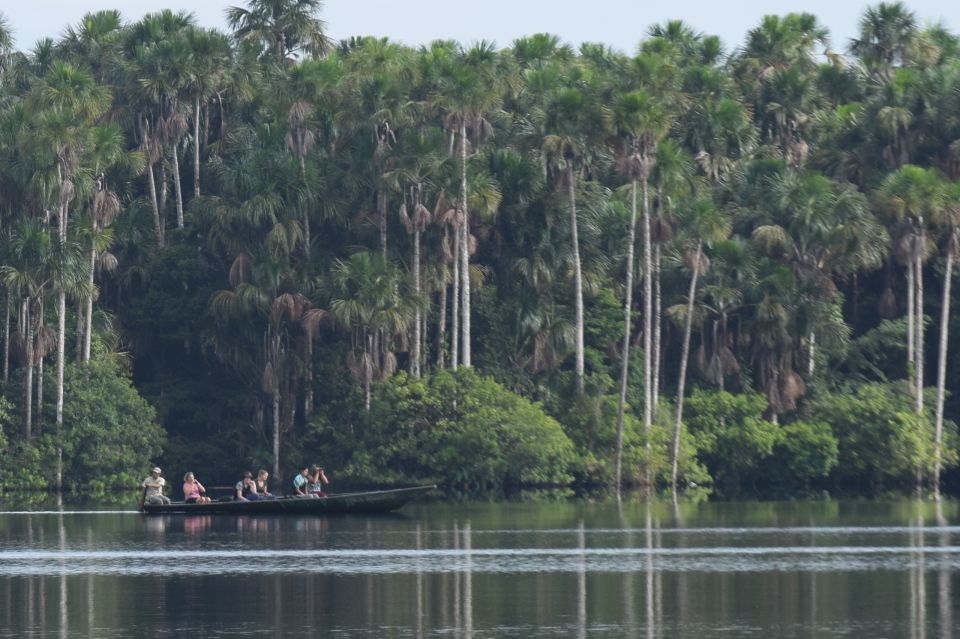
153 489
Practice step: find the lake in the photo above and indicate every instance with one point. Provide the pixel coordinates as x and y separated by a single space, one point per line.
544 569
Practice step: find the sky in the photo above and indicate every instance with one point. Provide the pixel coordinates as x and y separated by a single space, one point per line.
617 23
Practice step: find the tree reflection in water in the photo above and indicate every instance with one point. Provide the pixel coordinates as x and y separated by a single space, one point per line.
944 601
596 570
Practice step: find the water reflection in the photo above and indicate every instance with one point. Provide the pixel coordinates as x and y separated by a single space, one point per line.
918 592
582 583
944 600
587 570
195 525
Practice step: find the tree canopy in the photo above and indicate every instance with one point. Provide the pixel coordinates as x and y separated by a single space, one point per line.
264 247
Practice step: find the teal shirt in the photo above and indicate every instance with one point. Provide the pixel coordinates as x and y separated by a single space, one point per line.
299 481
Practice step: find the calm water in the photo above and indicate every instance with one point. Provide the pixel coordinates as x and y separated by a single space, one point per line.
569 569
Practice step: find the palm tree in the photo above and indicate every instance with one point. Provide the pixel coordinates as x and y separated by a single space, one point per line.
822 229
914 196
282 27
638 120
371 300
570 123
416 224
210 56
951 222
420 162
267 302
775 70
378 84
94 43
888 32
705 224
6 44
165 75
105 152
673 177
29 275
73 101
156 63
468 91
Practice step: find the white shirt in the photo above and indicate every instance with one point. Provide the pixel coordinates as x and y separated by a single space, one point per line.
154 486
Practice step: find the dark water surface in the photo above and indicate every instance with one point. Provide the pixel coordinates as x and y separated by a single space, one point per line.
567 569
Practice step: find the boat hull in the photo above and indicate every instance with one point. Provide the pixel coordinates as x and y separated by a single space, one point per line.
379 501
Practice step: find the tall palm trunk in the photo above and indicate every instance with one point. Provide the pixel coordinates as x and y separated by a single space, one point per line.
88 311
157 222
308 395
28 383
455 303
367 374
918 348
627 324
196 147
647 322
682 381
306 214
577 275
465 247
61 341
79 333
415 358
164 190
811 354
424 322
276 430
176 184
38 412
442 326
918 317
657 326
942 365
382 212
6 339
911 307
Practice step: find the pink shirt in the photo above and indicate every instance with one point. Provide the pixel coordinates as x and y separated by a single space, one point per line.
191 490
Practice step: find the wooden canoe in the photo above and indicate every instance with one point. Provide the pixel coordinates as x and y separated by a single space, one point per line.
377 501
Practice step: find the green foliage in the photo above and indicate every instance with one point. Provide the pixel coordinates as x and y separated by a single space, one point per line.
731 435
746 454
24 467
281 265
457 429
877 356
881 442
110 433
805 453
4 422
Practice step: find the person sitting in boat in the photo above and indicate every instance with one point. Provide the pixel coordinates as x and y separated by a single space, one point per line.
246 488
261 483
315 481
193 491
300 482
153 489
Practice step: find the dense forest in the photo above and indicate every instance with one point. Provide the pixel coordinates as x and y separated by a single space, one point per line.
691 268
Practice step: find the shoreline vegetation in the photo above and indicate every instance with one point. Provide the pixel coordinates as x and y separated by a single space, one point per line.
692 271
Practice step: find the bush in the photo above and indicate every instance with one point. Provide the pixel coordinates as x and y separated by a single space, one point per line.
881 443
731 435
457 429
804 453
110 433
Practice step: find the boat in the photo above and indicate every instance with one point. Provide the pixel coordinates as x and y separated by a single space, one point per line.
377 501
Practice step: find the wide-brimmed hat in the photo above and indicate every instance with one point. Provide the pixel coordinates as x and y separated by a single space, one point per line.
155 469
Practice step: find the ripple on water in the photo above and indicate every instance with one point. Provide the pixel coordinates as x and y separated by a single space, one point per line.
483 560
